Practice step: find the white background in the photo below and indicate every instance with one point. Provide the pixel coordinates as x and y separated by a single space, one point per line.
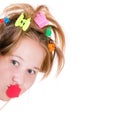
88 87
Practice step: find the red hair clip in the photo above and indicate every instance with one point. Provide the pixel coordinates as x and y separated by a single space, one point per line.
1 20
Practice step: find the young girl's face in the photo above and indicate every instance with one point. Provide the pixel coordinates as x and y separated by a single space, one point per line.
20 68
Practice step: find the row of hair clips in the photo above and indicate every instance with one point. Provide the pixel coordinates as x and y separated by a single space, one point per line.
40 20
5 20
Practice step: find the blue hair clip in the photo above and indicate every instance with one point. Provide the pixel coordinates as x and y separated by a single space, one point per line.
6 20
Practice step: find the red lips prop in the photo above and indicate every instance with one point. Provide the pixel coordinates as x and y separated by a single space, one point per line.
13 91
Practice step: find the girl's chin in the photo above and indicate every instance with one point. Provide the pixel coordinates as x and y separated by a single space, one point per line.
5 98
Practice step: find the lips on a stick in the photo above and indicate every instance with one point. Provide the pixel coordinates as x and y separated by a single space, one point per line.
13 91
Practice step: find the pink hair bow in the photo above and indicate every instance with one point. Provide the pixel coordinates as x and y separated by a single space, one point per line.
41 20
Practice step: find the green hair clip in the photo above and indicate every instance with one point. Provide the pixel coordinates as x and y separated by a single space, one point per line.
48 31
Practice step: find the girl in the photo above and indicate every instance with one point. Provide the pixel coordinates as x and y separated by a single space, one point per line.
30 40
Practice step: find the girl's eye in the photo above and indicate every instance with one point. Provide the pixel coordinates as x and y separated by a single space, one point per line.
30 71
15 63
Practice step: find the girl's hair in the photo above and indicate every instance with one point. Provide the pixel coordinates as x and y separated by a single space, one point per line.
10 35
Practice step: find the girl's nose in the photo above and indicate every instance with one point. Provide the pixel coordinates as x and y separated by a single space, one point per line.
18 78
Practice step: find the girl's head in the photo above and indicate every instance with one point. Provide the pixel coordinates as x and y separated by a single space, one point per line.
30 39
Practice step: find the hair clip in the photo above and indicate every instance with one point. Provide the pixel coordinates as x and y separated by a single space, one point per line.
51 46
48 31
41 20
23 23
5 20
1 20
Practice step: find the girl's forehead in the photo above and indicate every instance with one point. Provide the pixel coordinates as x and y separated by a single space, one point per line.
30 51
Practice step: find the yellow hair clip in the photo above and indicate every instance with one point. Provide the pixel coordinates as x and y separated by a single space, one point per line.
23 23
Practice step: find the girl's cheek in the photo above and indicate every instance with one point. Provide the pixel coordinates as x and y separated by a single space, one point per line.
28 83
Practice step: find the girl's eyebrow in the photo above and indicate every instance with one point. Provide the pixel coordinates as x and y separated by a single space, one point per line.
18 57
37 68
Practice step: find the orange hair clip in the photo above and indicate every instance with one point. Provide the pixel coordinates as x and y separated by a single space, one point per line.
51 47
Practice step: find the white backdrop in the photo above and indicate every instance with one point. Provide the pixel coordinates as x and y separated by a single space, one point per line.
88 87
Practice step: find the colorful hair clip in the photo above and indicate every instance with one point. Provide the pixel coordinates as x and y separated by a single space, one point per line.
1 20
51 46
48 31
6 20
23 23
41 20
